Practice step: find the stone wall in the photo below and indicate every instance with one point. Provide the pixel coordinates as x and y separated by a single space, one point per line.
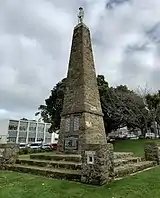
8 155
152 151
96 163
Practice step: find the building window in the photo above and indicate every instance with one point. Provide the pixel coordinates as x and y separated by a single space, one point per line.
13 125
76 123
23 126
21 139
48 140
12 139
12 133
31 139
68 122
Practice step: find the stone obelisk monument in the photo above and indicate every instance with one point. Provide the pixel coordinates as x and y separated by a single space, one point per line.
82 128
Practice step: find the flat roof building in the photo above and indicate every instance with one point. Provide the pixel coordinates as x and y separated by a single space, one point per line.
26 131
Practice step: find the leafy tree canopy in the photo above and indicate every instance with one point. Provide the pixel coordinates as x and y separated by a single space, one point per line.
121 106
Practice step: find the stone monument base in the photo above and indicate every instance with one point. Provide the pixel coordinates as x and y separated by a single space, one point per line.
8 154
97 163
152 151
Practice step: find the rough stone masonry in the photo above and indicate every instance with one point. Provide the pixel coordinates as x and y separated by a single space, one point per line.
82 129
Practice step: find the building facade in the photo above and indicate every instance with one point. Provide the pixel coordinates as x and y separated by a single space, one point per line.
26 131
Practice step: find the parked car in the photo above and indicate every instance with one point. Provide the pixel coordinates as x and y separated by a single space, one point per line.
53 146
22 145
46 147
36 145
132 137
122 137
151 136
141 137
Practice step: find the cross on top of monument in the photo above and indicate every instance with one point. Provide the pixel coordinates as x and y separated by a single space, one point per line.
80 15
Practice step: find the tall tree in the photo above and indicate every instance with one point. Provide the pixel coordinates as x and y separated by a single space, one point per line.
153 105
51 110
120 106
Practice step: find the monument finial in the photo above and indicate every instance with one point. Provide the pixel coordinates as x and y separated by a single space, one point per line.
80 15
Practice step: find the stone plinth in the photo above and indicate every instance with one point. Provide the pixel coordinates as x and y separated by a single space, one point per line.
152 151
8 155
97 164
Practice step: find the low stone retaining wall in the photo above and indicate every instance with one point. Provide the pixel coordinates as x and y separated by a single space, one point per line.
8 155
152 151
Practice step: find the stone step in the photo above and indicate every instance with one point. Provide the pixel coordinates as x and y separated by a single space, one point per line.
73 157
73 175
57 157
122 155
50 164
128 160
70 164
122 171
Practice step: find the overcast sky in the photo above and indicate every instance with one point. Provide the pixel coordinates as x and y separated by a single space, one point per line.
35 40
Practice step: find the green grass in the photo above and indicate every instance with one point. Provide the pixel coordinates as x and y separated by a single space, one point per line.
142 185
135 146
16 185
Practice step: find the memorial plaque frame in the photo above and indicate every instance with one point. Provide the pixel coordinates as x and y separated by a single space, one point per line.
71 143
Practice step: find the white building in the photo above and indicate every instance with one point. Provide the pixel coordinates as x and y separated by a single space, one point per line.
26 131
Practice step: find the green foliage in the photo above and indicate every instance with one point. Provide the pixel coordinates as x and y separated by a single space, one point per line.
121 106
153 105
153 100
51 111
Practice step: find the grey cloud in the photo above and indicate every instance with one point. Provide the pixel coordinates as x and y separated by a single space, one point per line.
111 4
154 33
35 39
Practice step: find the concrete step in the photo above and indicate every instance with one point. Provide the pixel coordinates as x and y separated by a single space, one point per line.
128 160
73 175
127 169
50 164
56 157
122 155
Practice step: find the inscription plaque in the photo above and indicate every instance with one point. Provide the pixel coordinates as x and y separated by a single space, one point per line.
67 127
90 156
71 143
76 123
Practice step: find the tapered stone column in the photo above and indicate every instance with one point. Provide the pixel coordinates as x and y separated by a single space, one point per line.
82 129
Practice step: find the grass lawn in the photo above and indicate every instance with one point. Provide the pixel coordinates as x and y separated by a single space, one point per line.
17 185
135 146
143 185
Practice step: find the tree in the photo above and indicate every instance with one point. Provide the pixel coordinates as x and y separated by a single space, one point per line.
153 105
24 119
121 106
51 110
